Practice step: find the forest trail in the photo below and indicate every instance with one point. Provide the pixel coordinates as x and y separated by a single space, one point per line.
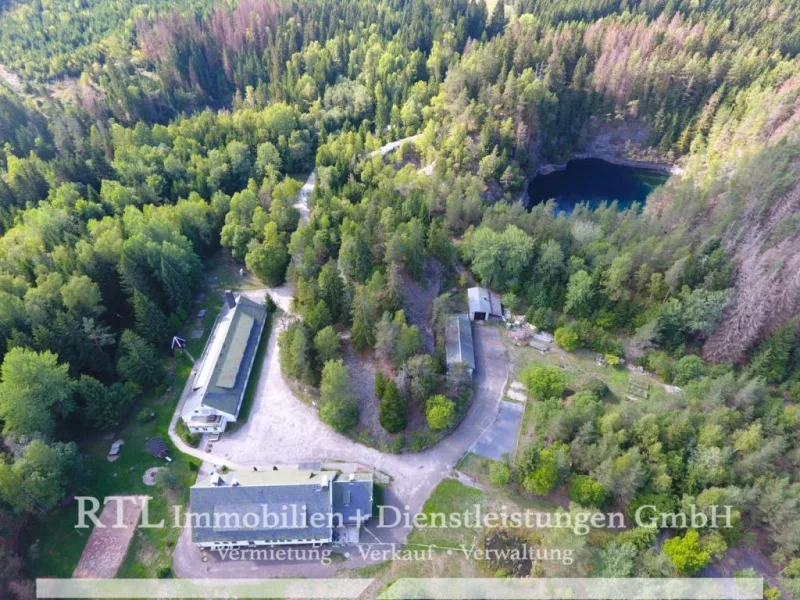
303 197
386 148
305 193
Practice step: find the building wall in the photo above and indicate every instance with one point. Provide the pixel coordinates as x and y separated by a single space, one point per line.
261 543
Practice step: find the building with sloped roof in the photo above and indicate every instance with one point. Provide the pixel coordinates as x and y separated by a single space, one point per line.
274 508
458 344
484 304
225 366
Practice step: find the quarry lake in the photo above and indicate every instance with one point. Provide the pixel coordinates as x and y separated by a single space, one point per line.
594 181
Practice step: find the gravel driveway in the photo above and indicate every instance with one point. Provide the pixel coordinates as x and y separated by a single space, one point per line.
282 430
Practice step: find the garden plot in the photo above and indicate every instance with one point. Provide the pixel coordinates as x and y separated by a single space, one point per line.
107 545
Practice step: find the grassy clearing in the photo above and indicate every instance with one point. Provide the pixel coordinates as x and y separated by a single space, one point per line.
56 546
223 274
449 497
579 367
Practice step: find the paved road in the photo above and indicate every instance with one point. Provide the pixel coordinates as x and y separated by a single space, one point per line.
501 438
282 430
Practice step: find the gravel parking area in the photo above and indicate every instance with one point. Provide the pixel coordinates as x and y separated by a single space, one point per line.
282 431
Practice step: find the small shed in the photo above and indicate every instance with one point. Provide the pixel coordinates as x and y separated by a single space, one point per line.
459 347
115 448
156 447
484 304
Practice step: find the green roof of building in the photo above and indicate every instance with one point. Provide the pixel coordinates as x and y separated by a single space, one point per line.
231 371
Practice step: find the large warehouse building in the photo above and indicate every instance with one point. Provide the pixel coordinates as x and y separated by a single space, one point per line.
276 508
224 368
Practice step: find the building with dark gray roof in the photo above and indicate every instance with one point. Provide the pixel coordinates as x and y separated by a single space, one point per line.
458 342
352 498
273 508
221 379
484 304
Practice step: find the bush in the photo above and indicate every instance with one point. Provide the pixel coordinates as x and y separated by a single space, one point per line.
662 365
145 415
440 412
686 553
596 386
544 381
192 439
544 477
164 572
543 318
567 337
587 492
689 368
419 440
499 474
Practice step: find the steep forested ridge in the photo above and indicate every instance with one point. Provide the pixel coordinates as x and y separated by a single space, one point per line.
179 126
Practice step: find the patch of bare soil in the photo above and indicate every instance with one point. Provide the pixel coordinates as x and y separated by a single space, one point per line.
363 367
746 557
512 552
106 548
418 298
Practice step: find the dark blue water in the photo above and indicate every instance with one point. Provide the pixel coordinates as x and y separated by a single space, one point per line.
594 181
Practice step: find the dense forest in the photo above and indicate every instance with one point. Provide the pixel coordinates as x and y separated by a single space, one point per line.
140 139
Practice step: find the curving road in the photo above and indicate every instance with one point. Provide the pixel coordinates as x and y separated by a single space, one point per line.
282 430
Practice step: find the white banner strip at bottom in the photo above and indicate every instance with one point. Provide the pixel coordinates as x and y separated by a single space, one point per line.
433 589
578 589
201 588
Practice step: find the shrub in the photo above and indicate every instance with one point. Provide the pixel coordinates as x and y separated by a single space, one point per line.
662 365
567 337
543 318
145 415
164 572
419 440
587 492
544 477
499 474
596 386
544 381
192 439
689 368
686 553
440 412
